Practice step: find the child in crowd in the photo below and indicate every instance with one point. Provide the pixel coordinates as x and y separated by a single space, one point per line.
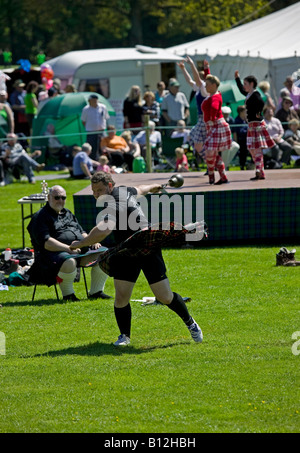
181 160
103 164
240 134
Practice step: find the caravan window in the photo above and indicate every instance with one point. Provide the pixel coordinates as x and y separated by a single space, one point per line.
100 86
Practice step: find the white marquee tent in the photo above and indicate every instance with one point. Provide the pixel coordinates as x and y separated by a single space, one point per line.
268 48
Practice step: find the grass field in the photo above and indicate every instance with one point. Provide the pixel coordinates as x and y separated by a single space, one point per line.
61 372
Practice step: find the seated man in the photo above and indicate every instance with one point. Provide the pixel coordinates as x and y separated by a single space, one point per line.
181 131
154 137
15 158
116 149
52 229
83 165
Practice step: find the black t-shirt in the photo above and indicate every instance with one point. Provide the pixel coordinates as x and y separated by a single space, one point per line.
48 223
124 209
254 103
133 111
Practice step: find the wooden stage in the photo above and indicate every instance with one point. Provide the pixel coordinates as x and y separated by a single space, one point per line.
242 211
198 182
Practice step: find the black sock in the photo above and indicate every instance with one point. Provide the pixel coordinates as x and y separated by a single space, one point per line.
179 307
123 318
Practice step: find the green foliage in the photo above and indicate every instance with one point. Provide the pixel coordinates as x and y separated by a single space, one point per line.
28 26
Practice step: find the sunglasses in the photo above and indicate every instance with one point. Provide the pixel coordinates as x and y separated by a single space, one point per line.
58 197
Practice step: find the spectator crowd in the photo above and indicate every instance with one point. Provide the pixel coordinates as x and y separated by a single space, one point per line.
165 113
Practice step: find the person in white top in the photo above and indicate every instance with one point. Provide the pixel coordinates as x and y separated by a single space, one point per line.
94 117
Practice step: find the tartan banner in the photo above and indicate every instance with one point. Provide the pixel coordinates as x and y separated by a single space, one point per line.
235 215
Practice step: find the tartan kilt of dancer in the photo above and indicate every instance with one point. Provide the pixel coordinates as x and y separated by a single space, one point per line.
218 136
198 132
258 136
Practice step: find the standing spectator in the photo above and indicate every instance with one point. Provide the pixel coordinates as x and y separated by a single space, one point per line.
17 103
83 165
286 113
294 92
174 106
240 134
70 88
41 57
265 88
7 57
31 103
257 135
6 112
283 93
94 118
133 108
151 107
161 92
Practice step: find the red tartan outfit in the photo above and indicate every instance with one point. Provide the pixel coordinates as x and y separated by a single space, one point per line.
218 135
257 135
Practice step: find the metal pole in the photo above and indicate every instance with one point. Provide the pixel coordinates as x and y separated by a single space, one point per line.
148 146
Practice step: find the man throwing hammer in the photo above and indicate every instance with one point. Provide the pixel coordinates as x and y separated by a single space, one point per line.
122 204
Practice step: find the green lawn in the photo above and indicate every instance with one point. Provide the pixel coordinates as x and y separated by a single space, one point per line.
61 372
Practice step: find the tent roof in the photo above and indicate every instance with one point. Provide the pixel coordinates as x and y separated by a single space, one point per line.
69 62
271 37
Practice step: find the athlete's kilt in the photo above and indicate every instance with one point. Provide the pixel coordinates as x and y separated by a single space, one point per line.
258 136
218 136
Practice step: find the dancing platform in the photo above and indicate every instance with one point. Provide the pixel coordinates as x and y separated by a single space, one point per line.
242 211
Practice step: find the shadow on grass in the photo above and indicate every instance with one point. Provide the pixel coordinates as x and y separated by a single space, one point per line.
101 349
38 303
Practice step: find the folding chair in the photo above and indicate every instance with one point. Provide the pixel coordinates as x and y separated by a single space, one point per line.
55 286
34 291
168 148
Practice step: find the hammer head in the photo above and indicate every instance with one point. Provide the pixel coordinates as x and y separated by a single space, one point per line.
176 181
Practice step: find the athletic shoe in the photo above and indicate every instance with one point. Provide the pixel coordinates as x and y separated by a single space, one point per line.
122 340
99 295
196 332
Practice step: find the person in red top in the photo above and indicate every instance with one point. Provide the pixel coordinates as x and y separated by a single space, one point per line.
218 134
181 160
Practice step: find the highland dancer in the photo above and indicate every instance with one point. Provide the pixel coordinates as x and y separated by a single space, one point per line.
257 134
